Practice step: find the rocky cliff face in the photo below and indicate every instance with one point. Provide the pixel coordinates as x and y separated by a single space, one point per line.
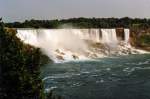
140 38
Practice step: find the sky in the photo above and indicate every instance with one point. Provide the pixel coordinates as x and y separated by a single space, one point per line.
20 10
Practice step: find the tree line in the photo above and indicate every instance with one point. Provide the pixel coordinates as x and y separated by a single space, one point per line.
125 22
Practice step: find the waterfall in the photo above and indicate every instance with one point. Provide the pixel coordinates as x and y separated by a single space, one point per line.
88 34
109 37
71 44
127 35
28 36
94 35
56 43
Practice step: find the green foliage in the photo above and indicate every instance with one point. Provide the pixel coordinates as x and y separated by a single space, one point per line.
19 68
44 60
145 40
84 23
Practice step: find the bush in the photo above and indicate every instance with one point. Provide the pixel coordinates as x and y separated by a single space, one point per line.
19 68
145 40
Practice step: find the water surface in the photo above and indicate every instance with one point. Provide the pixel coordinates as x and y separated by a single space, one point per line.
124 77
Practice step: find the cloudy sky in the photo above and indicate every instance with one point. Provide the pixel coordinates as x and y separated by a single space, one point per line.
20 10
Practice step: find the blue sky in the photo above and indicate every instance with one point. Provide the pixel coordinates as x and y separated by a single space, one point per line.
20 10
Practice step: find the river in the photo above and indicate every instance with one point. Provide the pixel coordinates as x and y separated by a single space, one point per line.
122 77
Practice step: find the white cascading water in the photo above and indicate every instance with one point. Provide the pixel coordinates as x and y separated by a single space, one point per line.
127 35
58 44
28 36
109 37
70 44
95 35
88 34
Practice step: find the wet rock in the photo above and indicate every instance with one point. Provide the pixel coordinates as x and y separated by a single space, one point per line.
59 57
59 52
75 56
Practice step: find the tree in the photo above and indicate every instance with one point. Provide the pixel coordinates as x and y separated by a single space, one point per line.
19 68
